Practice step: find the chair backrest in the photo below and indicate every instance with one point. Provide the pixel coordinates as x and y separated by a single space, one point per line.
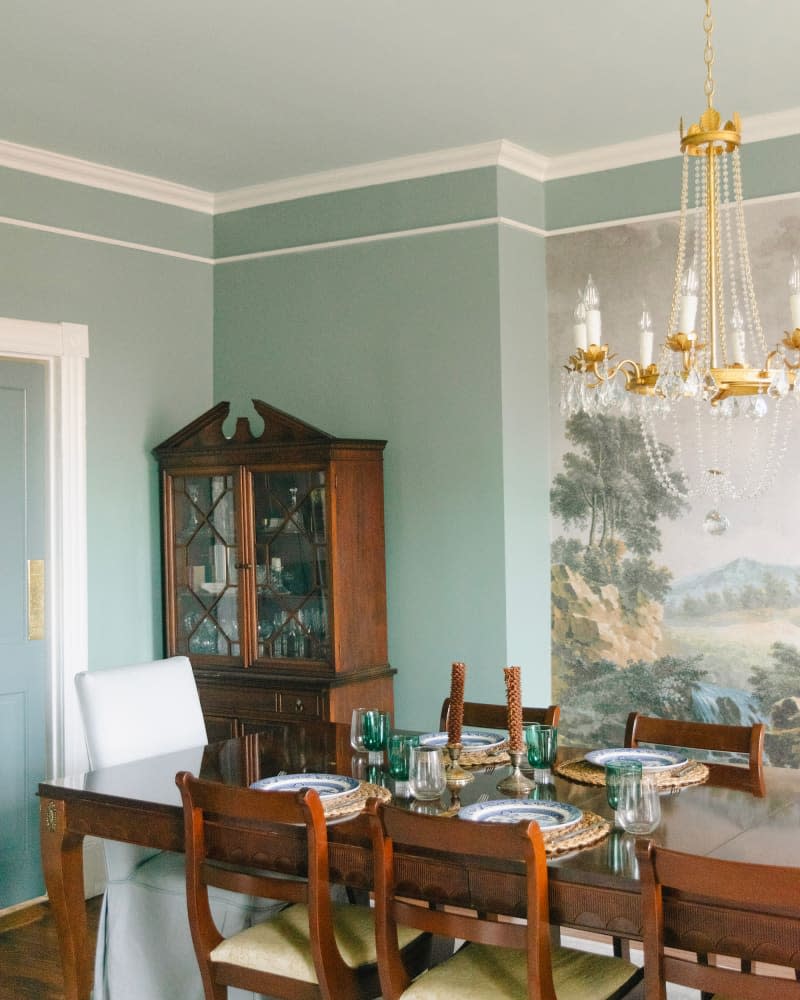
213 812
746 740
740 889
140 711
477 713
134 712
468 846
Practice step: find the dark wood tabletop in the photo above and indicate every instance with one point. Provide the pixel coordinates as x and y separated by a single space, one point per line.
594 889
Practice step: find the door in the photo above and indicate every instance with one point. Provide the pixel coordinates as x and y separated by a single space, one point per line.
23 654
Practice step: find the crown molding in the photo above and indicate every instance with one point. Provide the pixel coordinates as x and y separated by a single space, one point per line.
404 168
497 153
98 175
757 128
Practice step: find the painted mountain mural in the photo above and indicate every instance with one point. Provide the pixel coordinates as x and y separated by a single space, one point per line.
721 645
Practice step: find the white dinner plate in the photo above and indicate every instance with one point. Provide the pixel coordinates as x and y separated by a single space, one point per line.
549 815
327 786
651 760
470 740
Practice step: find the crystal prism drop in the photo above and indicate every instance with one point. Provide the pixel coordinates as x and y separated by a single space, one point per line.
692 385
715 523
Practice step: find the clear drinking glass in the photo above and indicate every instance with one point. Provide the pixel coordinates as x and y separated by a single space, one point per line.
357 730
426 776
542 743
639 807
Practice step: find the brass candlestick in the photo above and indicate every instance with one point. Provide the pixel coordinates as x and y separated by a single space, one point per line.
455 774
515 783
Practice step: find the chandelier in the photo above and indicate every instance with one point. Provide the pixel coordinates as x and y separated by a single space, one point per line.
714 362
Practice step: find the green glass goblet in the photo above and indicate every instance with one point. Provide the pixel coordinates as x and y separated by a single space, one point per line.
375 733
542 743
614 773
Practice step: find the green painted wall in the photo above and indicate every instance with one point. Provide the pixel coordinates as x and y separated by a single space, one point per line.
384 208
525 407
149 372
397 339
768 168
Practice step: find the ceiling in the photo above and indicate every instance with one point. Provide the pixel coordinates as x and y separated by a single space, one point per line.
221 94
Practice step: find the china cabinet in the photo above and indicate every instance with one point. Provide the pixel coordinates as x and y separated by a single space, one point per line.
274 569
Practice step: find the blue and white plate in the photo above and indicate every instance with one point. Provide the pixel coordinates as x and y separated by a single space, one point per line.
549 815
470 740
327 786
651 760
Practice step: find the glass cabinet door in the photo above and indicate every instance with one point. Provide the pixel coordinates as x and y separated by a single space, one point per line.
205 553
291 564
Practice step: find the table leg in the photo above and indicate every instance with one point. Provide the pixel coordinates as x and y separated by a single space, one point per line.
62 862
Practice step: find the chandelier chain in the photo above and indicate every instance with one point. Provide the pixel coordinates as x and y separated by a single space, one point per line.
708 54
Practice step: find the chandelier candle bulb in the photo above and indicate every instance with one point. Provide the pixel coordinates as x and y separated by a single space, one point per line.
794 288
455 717
516 741
593 321
646 340
579 333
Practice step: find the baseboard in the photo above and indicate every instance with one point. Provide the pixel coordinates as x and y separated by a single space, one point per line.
22 914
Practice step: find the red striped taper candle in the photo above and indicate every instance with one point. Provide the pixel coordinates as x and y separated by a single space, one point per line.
455 717
514 700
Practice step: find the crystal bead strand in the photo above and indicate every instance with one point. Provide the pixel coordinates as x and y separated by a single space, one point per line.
731 268
656 461
680 262
744 252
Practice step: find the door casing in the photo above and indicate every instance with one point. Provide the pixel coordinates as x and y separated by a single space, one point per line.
63 347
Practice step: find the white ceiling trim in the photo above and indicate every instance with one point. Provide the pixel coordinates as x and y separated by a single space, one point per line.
97 175
404 168
501 153
777 125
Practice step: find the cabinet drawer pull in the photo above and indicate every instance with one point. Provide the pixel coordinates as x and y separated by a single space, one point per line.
299 706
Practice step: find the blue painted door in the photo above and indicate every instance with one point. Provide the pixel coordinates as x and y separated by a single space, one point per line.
23 660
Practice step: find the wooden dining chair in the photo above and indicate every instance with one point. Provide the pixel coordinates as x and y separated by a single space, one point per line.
487 716
502 959
314 949
745 740
740 891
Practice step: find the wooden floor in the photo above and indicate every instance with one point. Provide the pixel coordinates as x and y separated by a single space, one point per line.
29 964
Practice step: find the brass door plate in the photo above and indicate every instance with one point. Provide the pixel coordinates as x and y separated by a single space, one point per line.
36 598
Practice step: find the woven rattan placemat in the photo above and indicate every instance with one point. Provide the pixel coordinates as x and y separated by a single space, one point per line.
583 773
589 830
353 802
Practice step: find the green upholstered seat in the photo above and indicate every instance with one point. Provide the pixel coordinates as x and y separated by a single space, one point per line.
478 972
281 945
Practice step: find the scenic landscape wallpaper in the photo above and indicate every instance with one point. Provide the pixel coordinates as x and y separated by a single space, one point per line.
649 611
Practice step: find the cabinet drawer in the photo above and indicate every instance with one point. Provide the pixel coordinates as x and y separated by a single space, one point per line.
307 704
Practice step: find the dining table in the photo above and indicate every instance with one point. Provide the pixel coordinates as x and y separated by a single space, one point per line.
593 889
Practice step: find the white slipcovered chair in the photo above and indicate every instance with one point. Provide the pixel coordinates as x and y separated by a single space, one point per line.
144 946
